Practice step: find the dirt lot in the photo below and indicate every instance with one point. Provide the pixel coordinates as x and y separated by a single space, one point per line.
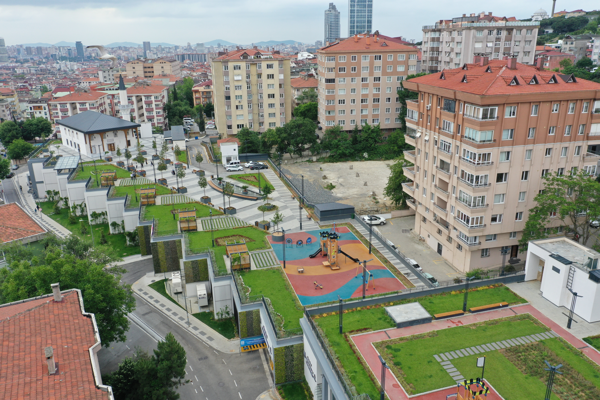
355 182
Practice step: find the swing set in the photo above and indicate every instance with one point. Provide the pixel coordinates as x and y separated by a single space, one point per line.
362 267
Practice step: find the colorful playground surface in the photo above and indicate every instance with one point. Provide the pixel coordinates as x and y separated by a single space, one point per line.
323 277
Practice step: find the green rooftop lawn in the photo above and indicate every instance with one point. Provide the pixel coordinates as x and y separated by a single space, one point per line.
182 158
272 284
594 341
251 179
166 222
202 240
116 241
413 358
377 318
122 191
294 391
91 171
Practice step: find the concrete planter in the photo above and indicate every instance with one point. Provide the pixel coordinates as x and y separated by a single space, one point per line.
143 152
167 161
155 157
230 210
162 182
178 165
182 190
121 164
142 172
108 158
131 168
205 199
200 173
266 226
269 207
278 237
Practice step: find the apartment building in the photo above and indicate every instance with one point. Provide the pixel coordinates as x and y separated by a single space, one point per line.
452 43
360 16
576 45
484 137
251 89
332 24
75 103
39 108
359 79
149 68
302 83
203 92
595 49
147 104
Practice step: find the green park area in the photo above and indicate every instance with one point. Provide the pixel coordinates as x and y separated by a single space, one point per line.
167 221
182 157
117 242
91 171
134 192
295 391
251 179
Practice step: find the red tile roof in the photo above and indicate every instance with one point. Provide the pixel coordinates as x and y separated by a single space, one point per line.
16 224
229 140
237 54
366 43
152 89
304 83
75 97
24 372
498 80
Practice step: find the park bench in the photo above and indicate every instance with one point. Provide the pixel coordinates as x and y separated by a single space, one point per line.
300 270
488 307
449 314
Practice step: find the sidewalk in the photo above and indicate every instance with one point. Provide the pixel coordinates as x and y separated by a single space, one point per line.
197 328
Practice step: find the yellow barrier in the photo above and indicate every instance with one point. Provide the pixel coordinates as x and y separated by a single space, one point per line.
254 347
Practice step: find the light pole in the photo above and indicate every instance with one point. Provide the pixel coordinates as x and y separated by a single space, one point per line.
364 265
246 149
384 366
187 153
300 201
280 156
96 171
341 312
370 235
153 170
467 280
504 252
258 173
572 310
283 231
80 161
134 191
553 371
212 235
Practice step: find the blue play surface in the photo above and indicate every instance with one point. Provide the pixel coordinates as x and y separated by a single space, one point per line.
293 253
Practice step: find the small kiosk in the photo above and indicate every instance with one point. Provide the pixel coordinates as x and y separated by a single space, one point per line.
238 256
187 220
148 196
108 178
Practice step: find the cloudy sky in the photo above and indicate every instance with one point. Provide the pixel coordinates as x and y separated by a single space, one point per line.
237 21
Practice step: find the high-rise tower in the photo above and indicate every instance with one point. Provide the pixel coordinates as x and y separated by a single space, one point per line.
79 47
360 16
3 51
332 24
147 48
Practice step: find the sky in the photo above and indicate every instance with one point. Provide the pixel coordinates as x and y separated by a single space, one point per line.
237 21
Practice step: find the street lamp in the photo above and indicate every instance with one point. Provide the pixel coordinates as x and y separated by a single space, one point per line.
258 173
80 162
153 170
212 234
572 310
283 231
341 312
370 235
467 280
187 153
384 366
96 170
300 201
133 174
246 149
364 265
504 252
553 371
280 156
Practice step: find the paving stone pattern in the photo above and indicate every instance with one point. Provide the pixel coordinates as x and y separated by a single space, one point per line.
264 259
222 223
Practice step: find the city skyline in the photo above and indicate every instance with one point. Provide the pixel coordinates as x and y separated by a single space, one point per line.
303 22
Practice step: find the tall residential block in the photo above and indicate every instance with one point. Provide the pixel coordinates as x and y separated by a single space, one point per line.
485 135
3 51
147 49
360 16
359 79
155 67
332 24
80 52
452 43
251 89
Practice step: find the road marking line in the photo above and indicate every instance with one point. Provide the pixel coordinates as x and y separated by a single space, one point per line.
191 368
224 361
196 378
215 352
230 373
235 383
196 391
201 388
240 395
128 347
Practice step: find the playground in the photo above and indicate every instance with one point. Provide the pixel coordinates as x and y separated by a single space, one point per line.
322 265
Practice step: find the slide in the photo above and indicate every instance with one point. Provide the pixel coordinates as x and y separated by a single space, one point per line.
349 256
313 255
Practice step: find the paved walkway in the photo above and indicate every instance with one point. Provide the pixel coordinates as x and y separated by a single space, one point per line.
197 328
396 392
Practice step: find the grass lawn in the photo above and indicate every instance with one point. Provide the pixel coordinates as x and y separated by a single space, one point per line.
90 171
251 179
121 191
594 341
271 283
182 158
294 391
202 240
446 302
225 327
576 359
411 359
116 242
166 223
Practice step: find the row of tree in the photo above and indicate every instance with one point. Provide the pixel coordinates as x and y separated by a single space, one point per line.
27 130
181 103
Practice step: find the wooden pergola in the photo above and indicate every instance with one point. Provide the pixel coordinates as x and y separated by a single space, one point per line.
187 220
108 178
148 196
238 249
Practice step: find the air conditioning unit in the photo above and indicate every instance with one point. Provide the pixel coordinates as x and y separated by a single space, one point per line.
428 106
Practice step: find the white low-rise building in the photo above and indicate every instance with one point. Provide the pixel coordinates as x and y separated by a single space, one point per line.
229 150
564 266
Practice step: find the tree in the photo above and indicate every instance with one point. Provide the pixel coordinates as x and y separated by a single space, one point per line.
300 133
44 89
184 91
154 146
250 141
36 127
338 143
127 155
393 189
369 140
180 175
571 199
308 96
277 219
140 159
162 167
565 63
395 144
584 63
199 158
228 190
119 154
209 109
266 192
4 168
176 110
203 184
19 149
307 110
177 151
9 132
75 264
403 96
199 111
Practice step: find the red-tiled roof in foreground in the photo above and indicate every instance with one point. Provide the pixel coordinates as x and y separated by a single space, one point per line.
238 54
366 43
228 140
496 79
24 372
16 224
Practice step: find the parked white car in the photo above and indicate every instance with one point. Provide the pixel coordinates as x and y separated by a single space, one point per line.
414 264
373 220
250 163
231 168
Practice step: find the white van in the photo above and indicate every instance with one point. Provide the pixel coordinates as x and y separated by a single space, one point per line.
233 163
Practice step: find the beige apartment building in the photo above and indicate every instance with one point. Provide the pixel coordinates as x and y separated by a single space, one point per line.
251 89
76 103
484 136
359 79
451 43
149 68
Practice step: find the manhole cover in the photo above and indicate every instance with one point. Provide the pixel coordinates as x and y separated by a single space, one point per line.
221 384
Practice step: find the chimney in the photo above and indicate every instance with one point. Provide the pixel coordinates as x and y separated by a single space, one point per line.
539 63
484 61
355 38
512 63
490 13
368 40
49 353
56 291
464 15
476 59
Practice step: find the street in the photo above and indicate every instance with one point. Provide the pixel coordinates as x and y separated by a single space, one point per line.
212 375
10 188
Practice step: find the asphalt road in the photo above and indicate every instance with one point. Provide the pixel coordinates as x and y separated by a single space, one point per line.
213 375
10 189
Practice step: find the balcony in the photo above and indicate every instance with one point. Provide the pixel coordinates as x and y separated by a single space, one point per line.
443 170
477 164
148 101
440 208
589 156
411 203
441 190
413 101
442 223
470 227
446 151
409 170
471 244
481 119
408 186
409 155
474 186
472 206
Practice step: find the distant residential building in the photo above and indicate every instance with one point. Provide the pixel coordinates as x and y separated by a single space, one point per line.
5 113
150 68
62 360
302 83
318 44
576 45
3 51
148 103
332 24
80 52
576 13
203 93
359 78
451 43
251 90
540 15
147 49
552 59
39 108
110 75
12 100
198 57
360 16
76 103
596 49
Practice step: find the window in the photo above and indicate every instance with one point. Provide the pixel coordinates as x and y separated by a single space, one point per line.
485 253
499 198
481 113
534 110
555 107
512 235
490 238
577 150
507 134
364 69
504 156
528 154
522 196
477 158
447 126
531 133
352 69
342 58
525 175
479 136
473 180
364 79
377 68
545 172
353 58
496 218
341 102
568 130
341 112
586 107
519 216
572 108
390 57
548 152
341 91
390 68
401 57
270 76
400 68
560 172
511 112
342 70
581 129
552 130
364 58
502 177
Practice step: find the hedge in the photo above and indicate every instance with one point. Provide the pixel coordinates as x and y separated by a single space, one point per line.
196 270
289 363
144 235
249 323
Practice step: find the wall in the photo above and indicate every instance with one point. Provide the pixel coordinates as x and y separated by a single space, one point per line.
144 236
35 173
50 179
312 372
131 218
76 192
62 179
403 213
95 200
114 209
166 255
222 296
249 323
289 363
196 270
